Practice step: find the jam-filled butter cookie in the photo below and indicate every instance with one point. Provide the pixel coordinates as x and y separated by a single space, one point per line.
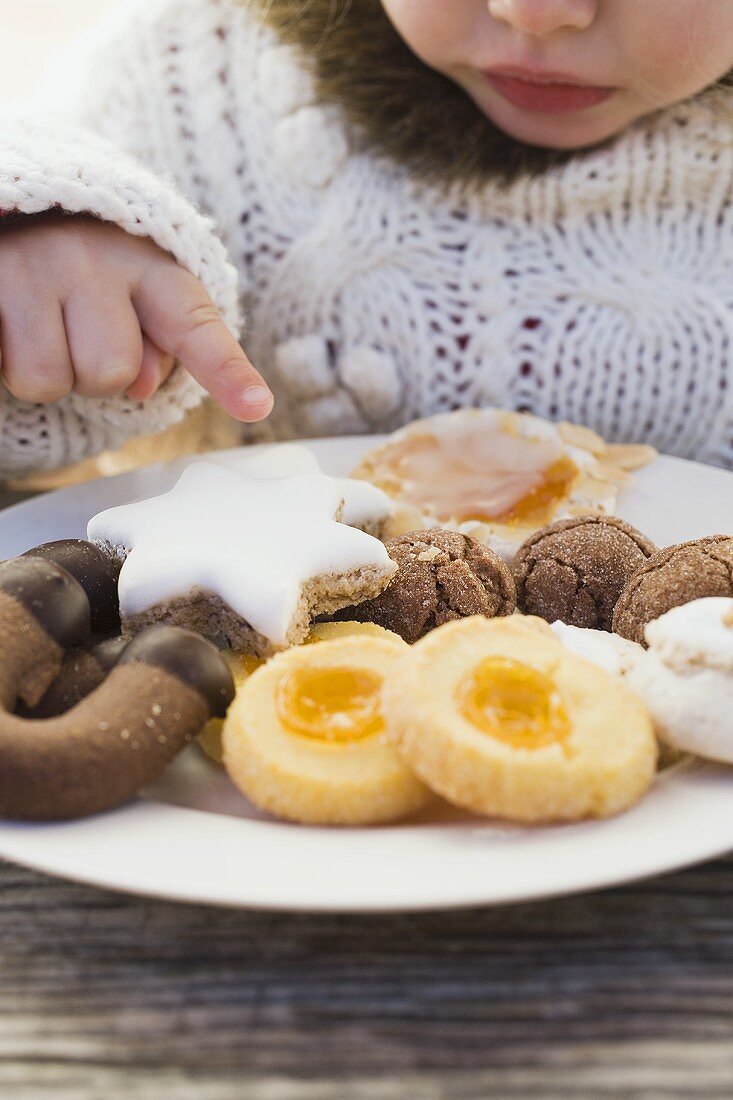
500 718
305 738
242 665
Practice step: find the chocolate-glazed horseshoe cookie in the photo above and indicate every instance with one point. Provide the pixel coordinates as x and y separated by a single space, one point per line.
83 670
157 697
85 667
97 573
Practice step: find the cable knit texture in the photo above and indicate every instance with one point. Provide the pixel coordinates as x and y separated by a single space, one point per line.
602 293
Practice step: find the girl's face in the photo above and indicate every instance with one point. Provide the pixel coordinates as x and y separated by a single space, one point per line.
565 74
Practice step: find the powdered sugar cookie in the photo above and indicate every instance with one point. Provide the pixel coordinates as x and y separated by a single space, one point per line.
575 569
685 677
674 576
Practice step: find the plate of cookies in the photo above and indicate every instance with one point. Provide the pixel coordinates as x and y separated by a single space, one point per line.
483 660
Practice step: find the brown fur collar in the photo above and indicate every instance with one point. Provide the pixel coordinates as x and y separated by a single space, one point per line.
402 109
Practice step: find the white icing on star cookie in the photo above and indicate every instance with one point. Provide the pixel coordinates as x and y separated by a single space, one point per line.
365 505
271 460
256 543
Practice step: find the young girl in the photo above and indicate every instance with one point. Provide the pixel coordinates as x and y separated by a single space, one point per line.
398 207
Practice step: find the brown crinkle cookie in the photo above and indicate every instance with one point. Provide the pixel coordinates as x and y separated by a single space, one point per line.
682 573
441 575
575 569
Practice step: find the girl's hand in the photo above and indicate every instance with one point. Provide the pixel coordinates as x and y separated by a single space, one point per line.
88 308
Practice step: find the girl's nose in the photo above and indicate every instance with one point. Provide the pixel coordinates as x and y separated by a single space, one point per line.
540 17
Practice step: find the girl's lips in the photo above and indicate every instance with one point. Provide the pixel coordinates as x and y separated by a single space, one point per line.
546 93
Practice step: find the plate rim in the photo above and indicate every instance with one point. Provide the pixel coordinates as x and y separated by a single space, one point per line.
467 900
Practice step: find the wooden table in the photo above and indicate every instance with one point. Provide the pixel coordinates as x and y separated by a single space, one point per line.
624 993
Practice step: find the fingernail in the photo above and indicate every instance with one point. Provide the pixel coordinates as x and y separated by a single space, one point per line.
257 395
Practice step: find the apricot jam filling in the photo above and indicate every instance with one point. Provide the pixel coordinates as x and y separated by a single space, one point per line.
248 663
513 703
335 705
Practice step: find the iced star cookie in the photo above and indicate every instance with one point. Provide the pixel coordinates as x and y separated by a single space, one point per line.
304 738
496 475
686 677
498 717
246 561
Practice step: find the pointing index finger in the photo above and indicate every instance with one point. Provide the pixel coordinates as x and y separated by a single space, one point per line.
180 317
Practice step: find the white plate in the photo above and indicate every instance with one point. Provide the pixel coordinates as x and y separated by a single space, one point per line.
195 838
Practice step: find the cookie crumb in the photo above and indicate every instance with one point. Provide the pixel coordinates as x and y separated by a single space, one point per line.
430 554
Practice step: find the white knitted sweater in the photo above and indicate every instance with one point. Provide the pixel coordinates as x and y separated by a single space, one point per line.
602 294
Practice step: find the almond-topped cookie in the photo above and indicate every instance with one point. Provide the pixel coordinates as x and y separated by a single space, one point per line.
441 576
497 476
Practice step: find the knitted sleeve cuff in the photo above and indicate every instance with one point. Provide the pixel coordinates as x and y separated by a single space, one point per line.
64 166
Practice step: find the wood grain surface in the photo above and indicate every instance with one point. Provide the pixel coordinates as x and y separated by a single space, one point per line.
627 992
